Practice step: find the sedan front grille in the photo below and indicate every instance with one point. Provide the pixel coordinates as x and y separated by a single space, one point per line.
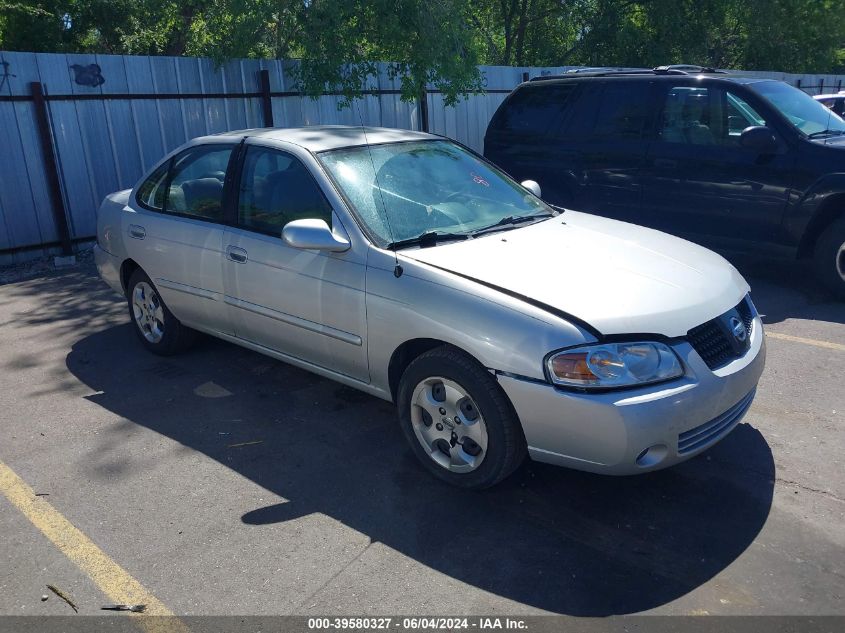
715 341
710 432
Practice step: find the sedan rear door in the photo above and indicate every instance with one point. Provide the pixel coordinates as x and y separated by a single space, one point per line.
175 233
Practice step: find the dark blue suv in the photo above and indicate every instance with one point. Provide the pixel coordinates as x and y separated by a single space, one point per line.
732 162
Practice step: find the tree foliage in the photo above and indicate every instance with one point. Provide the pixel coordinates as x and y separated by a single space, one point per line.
440 42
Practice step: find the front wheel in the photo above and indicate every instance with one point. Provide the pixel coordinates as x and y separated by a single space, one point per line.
829 258
458 421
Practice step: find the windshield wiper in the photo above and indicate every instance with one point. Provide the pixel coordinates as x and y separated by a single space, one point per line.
510 221
430 238
828 132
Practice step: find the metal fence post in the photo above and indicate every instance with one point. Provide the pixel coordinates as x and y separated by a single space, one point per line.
423 99
266 102
51 168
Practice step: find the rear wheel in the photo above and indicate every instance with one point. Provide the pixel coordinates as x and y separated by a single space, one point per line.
158 330
458 421
829 256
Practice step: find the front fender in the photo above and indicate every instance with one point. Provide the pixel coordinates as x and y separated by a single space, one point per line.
500 331
815 209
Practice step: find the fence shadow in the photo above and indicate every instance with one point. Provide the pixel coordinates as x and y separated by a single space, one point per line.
559 540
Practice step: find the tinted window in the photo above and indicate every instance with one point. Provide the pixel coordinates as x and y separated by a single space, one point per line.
277 188
535 110
705 116
805 113
196 182
741 115
151 192
622 111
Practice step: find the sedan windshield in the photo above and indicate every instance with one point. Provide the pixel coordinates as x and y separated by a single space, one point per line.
808 115
403 191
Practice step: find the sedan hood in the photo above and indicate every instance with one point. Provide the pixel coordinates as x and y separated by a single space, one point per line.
617 277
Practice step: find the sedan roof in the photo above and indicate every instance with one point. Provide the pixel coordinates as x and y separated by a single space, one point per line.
318 138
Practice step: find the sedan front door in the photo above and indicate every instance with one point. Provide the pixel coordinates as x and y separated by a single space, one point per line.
306 304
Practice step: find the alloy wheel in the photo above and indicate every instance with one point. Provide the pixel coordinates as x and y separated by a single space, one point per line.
448 424
148 311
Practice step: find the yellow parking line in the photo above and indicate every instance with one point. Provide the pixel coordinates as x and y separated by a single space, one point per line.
111 578
806 341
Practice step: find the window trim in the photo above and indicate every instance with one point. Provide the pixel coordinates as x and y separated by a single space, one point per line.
238 179
224 220
141 203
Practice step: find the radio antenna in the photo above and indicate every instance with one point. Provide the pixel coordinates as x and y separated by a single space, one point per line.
397 268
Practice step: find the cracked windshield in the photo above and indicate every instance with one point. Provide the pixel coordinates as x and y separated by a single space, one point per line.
403 191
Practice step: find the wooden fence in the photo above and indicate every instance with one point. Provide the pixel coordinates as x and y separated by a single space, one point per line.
74 128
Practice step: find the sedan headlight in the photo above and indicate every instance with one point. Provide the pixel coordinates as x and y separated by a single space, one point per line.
614 365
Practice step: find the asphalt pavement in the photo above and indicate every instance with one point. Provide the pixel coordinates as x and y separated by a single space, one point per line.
225 482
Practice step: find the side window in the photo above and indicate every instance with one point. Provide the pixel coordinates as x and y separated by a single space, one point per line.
196 182
740 115
686 117
276 188
705 116
535 110
151 193
623 111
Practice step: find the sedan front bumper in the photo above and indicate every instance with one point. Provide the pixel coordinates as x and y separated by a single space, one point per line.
638 430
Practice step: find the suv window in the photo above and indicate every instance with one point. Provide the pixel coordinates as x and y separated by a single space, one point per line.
741 115
276 188
623 111
535 110
705 116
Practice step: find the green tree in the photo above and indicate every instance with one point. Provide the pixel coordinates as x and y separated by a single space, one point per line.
425 41
440 42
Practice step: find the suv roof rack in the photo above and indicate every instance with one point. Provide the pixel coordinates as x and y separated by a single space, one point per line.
688 69
673 69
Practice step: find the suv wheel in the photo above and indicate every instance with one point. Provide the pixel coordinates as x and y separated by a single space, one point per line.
829 258
458 421
159 331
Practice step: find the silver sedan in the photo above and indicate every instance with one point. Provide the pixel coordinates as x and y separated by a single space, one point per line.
404 265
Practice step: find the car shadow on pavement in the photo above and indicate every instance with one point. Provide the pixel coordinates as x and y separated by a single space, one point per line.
787 289
555 539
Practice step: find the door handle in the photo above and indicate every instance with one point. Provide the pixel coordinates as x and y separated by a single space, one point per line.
665 163
138 232
236 254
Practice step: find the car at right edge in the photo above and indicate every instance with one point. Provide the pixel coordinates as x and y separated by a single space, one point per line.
735 163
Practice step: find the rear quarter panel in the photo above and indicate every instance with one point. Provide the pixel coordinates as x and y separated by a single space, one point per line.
109 218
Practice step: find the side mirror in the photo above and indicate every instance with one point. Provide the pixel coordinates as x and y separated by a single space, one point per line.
760 139
532 186
313 234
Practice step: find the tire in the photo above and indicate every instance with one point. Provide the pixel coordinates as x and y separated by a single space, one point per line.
478 441
158 330
829 258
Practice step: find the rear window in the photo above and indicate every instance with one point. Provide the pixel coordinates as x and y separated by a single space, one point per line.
535 110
